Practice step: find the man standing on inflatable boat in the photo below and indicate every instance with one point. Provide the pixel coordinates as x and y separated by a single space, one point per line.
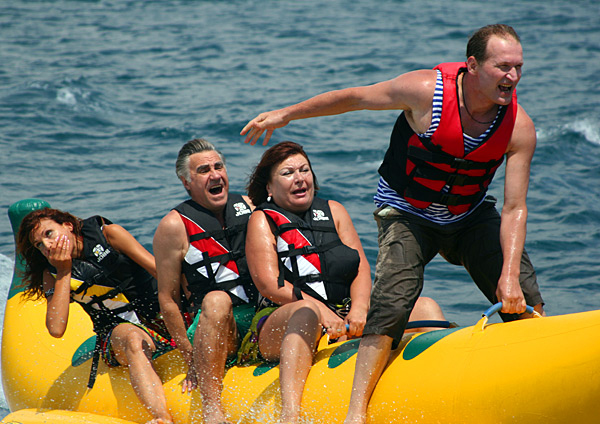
202 273
459 121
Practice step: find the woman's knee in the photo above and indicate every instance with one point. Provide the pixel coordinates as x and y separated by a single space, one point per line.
131 341
426 309
295 316
301 318
304 311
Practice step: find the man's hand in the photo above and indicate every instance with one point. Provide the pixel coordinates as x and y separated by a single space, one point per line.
511 296
191 380
267 121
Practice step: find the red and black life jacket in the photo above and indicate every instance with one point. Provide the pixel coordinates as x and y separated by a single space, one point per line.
419 168
216 259
312 256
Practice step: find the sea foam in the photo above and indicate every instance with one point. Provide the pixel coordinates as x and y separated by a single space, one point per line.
588 128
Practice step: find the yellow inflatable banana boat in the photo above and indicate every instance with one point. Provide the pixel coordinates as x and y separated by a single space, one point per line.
542 370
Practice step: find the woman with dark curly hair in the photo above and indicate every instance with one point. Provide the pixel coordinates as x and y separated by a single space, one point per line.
307 261
102 267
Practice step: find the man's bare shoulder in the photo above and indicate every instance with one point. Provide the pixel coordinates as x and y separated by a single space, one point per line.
413 91
523 119
170 238
419 82
171 219
171 225
524 135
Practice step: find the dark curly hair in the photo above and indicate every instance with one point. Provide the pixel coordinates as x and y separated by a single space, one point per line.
34 262
257 183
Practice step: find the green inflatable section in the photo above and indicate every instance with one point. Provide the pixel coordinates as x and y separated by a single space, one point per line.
16 212
420 344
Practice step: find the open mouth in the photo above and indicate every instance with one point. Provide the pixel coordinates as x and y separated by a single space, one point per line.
299 192
505 88
218 189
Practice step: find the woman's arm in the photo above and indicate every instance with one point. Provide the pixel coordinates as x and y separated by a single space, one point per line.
119 238
360 290
263 263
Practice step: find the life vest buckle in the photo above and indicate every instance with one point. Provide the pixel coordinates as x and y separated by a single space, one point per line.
307 250
449 199
444 198
456 179
460 163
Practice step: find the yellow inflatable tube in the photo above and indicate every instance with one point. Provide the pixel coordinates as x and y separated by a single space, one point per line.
544 370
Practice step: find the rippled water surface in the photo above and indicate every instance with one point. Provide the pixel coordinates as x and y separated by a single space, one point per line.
98 96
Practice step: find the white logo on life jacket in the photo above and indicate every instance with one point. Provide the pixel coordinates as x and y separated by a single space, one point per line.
99 252
319 215
241 209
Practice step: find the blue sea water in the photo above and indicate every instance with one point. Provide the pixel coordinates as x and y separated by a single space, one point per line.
98 96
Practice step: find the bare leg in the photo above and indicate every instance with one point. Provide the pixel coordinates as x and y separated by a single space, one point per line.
133 347
291 334
215 339
373 355
425 309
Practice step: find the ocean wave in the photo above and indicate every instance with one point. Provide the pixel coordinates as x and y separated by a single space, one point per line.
6 272
588 128
66 96
93 113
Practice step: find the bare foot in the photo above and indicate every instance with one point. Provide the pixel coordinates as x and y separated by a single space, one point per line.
160 421
215 417
358 419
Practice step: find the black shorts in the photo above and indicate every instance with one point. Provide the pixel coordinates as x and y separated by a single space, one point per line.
407 243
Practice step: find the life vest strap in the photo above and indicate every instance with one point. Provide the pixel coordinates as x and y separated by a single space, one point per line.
428 172
95 361
103 316
217 234
310 278
425 194
289 226
199 285
443 158
221 259
307 250
223 285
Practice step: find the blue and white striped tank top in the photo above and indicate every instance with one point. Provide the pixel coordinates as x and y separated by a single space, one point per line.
435 212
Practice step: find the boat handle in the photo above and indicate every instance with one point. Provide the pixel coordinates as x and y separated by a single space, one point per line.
480 326
498 306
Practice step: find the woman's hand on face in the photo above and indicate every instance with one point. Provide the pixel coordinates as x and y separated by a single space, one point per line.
59 255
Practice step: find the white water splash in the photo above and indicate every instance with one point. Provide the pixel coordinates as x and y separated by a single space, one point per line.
589 128
66 96
6 273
